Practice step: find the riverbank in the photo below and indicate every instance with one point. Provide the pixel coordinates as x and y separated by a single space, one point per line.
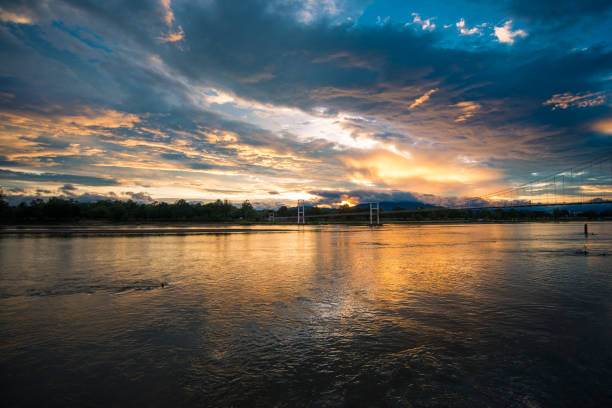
230 228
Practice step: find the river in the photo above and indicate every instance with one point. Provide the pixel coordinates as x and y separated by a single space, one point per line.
468 315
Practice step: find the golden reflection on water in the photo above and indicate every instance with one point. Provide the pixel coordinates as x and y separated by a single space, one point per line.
318 299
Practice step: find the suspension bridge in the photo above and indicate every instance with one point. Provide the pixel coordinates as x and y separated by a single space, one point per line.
587 184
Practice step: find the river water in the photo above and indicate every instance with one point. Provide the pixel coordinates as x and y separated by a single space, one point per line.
400 315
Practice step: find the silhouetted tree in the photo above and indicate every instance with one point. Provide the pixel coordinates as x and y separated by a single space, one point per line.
247 211
5 210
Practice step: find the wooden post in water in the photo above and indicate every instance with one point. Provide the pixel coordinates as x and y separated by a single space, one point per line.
586 230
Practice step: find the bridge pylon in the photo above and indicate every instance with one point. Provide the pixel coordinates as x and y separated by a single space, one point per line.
372 209
301 211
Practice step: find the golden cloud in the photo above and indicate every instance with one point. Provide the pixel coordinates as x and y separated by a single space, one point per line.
423 98
468 109
19 132
57 121
584 100
173 35
419 174
603 126
10 17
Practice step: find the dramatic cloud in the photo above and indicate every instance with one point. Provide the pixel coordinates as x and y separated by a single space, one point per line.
354 197
273 100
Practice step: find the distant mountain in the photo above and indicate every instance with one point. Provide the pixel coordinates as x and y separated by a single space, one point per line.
412 205
577 208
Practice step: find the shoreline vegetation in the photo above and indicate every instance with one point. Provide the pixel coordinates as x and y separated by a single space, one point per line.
63 212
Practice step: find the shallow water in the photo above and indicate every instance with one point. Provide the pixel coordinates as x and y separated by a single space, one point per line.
431 315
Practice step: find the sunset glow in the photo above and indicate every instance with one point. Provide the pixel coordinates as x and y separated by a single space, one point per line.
365 99
306 203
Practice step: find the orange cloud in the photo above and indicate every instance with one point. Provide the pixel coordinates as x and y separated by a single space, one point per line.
567 100
468 109
419 174
603 126
173 35
220 136
422 98
10 17
86 117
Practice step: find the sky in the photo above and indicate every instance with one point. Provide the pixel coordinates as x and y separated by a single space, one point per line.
273 101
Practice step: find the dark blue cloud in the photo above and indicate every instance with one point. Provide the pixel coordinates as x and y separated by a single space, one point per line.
333 197
303 72
57 178
556 11
489 99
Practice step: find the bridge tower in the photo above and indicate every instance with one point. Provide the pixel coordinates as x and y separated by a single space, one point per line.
372 209
301 210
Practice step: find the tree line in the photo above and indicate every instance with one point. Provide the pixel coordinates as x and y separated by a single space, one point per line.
69 210
64 210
